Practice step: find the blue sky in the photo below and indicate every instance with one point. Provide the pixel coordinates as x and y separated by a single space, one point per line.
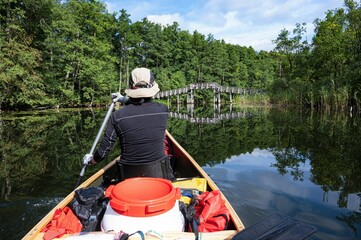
247 23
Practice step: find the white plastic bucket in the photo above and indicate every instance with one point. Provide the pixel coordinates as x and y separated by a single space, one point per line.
143 204
171 220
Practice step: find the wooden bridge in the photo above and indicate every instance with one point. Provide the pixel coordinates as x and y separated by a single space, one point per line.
217 89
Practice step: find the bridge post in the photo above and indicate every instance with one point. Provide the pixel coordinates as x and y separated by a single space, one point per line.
230 97
216 110
190 110
214 98
190 97
217 97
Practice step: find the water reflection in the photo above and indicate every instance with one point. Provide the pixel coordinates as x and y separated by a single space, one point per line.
43 146
208 115
41 155
328 144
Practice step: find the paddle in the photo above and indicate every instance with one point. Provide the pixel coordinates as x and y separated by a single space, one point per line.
277 227
116 97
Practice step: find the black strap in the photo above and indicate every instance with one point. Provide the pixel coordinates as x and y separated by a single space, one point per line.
125 236
195 224
140 233
226 217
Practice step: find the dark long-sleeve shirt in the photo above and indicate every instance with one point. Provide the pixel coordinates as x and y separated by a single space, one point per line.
141 131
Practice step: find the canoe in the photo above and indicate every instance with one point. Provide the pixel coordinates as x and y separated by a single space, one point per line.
185 166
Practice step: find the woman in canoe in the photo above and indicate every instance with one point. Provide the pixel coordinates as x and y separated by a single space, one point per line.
140 127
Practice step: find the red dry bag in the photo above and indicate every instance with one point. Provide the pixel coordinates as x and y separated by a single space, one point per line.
64 222
211 213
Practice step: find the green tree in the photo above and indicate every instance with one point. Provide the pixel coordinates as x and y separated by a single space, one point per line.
147 44
20 83
353 34
216 61
329 55
236 70
198 44
293 74
122 41
81 66
185 56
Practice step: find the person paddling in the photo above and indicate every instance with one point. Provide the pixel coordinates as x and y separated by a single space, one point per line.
140 127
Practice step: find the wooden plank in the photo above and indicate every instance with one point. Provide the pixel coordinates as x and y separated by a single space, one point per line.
189 235
221 235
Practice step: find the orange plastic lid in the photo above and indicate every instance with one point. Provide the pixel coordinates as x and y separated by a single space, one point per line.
143 197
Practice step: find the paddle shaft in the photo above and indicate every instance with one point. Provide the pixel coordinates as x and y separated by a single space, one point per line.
110 110
107 116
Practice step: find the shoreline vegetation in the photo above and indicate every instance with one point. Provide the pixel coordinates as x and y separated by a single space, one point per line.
74 53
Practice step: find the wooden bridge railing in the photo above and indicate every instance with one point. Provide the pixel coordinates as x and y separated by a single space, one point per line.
189 90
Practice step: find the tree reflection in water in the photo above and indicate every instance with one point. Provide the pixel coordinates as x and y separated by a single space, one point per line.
330 142
41 151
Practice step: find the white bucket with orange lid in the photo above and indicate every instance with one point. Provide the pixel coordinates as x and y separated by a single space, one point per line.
143 204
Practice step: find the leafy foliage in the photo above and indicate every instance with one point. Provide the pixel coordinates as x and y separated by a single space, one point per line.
74 53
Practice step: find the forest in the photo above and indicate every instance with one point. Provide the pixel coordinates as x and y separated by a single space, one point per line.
75 53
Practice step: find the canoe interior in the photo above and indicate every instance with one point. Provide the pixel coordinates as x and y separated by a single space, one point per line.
184 165
186 169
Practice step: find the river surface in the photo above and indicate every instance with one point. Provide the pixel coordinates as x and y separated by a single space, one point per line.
298 163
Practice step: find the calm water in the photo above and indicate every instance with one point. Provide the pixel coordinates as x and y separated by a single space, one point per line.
302 164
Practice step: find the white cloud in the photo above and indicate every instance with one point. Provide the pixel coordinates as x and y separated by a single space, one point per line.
166 19
247 23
